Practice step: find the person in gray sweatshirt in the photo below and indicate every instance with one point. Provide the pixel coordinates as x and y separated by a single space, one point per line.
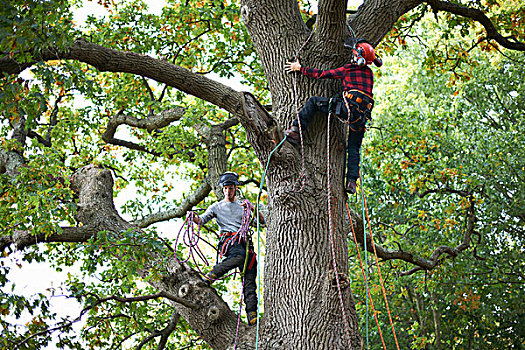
229 214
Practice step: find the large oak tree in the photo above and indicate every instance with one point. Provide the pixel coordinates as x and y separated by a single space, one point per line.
60 162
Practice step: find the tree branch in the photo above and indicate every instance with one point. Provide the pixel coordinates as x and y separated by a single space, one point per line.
377 17
356 225
509 42
195 198
161 294
23 239
166 332
109 60
150 123
163 334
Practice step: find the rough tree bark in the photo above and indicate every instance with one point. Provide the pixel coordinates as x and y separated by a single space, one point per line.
302 305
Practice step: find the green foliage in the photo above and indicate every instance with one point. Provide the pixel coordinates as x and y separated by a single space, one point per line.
450 116
28 27
66 106
443 141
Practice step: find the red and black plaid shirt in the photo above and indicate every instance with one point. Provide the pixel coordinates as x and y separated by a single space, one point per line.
353 76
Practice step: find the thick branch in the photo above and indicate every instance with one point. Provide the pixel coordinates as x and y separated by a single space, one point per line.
23 239
109 60
375 18
150 123
105 59
478 15
195 198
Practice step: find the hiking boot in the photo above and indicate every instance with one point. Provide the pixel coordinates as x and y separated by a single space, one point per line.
252 318
209 278
292 135
350 186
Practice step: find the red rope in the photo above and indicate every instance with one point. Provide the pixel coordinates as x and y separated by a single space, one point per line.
364 276
331 234
242 234
379 271
191 238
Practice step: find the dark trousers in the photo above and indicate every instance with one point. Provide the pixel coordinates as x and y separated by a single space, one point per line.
317 104
235 257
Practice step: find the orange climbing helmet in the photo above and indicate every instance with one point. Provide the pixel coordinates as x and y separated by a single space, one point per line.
365 52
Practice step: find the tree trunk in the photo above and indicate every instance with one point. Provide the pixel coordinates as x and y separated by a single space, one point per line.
302 303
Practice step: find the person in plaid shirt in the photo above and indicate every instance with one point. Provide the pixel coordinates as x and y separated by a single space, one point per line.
358 82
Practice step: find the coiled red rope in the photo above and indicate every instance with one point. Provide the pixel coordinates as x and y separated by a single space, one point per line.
190 238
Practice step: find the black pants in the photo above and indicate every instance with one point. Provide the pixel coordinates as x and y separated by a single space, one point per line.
235 257
317 104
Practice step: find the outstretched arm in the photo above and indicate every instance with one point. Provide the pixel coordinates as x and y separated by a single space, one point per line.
337 73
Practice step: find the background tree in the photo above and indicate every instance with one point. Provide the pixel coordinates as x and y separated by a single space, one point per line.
443 151
64 156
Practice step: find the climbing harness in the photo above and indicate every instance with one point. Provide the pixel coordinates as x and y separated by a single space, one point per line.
363 103
242 235
353 100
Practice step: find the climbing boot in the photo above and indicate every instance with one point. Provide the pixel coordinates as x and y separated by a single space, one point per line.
350 186
209 278
252 318
292 135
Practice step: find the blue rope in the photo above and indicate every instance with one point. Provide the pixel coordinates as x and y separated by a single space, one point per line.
258 235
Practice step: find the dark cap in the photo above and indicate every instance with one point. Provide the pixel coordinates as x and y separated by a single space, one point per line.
229 178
